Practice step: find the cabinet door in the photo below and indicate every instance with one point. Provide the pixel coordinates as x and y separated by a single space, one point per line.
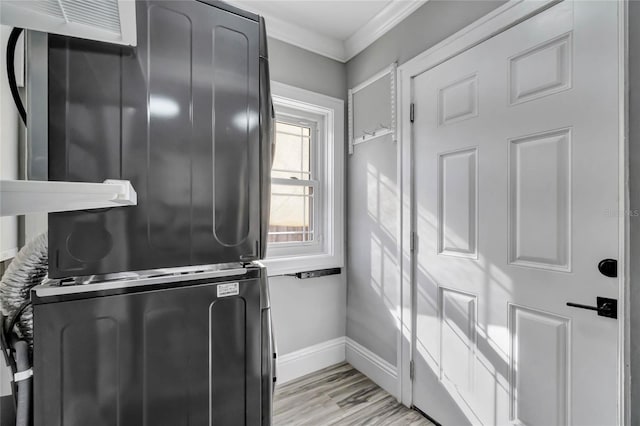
178 117
172 357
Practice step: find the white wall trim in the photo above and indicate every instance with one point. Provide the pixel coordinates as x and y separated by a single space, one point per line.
624 233
495 22
331 47
308 360
379 25
332 253
371 365
312 358
296 35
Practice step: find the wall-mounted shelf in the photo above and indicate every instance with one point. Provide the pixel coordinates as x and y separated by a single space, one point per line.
18 197
372 108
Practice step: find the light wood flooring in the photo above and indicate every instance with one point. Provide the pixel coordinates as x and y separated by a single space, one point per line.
339 395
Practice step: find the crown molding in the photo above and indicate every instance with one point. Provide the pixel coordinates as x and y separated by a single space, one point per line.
379 25
302 37
339 50
299 36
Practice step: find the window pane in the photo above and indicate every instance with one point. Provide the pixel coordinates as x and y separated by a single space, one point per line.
291 214
293 148
288 128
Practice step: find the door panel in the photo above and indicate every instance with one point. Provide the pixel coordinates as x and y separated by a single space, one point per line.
516 146
540 360
457 201
539 201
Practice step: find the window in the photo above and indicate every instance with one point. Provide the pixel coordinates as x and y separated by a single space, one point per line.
295 183
307 182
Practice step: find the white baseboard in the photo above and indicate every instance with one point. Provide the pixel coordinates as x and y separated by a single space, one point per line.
312 358
371 365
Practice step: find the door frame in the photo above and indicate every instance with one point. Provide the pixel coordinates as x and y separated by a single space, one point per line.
504 17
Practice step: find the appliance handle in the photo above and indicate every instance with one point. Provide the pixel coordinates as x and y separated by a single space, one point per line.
267 151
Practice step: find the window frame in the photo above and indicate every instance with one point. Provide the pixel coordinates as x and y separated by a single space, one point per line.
293 116
328 112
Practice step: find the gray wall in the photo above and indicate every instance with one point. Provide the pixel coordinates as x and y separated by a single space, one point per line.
372 270
373 289
307 312
311 311
634 189
301 68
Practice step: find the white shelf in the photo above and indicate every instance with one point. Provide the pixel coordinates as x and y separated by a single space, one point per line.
382 129
18 197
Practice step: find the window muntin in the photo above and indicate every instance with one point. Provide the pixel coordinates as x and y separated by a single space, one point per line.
295 215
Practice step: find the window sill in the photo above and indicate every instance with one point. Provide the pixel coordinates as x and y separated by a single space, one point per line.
294 264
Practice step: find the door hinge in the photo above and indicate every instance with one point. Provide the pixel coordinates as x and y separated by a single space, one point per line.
411 370
412 111
413 241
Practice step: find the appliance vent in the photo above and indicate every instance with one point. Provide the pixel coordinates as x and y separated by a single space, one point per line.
103 20
102 14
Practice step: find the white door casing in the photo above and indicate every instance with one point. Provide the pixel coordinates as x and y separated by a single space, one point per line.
515 197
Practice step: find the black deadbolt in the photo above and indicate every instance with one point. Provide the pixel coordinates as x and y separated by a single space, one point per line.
608 267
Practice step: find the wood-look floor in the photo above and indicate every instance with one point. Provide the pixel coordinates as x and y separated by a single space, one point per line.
339 395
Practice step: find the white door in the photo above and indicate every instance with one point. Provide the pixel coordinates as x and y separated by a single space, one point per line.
516 198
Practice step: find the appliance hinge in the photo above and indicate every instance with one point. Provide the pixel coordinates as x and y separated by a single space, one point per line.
411 370
412 110
253 256
413 241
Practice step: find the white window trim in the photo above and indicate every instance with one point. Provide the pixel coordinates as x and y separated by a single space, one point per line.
332 111
318 132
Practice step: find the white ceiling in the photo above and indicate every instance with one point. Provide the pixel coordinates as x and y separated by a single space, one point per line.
334 28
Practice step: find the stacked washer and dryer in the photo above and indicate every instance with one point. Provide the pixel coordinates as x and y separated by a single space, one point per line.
158 314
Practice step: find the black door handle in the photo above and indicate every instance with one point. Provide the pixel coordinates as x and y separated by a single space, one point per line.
604 306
